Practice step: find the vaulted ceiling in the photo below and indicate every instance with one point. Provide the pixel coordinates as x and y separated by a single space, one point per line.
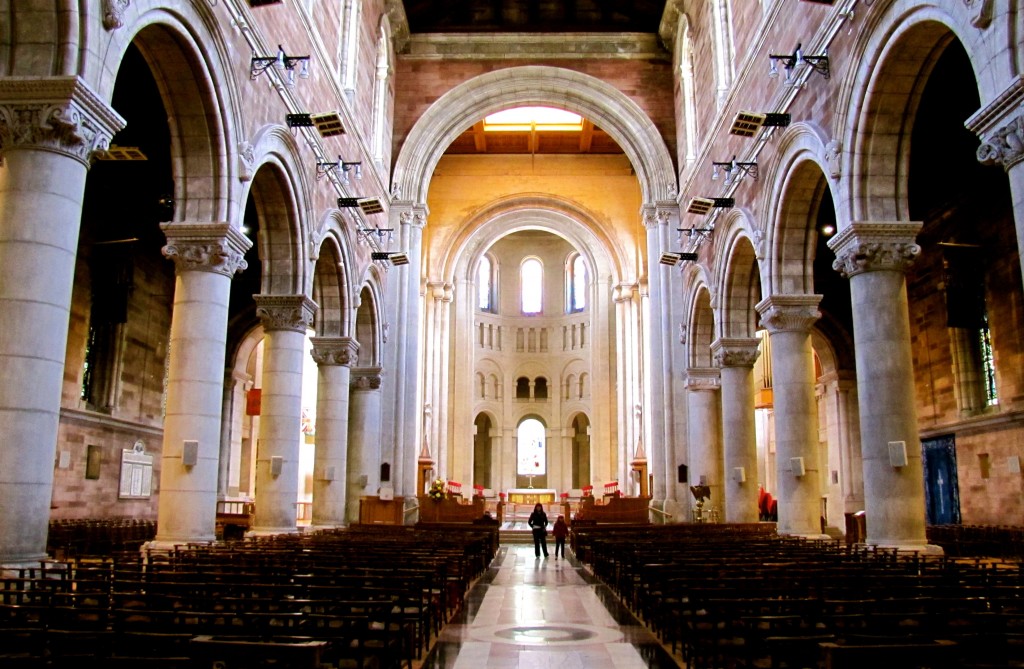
534 16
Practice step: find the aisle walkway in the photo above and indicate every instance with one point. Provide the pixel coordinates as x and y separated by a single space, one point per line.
528 613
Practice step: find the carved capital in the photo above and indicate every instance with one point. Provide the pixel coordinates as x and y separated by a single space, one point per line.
335 351
789 313
1005 146
735 352
416 218
870 247
59 114
113 13
703 379
205 247
285 312
366 378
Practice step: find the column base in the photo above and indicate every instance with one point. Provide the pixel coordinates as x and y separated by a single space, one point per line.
810 537
673 512
12 568
270 531
906 549
167 545
326 526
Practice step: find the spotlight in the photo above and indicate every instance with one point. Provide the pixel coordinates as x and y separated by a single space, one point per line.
119 153
734 171
818 64
369 205
396 258
673 258
702 205
746 124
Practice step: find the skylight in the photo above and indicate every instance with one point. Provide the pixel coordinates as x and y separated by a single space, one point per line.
533 118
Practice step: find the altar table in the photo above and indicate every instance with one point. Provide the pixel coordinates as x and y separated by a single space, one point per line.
532 496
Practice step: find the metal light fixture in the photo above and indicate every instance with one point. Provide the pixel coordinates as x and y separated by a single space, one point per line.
346 167
382 234
734 171
702 205
794 60
283 62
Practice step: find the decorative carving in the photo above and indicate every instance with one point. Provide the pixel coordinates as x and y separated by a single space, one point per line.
1005 147
735 352
367 378
385 329
285 312
866 247
981 13
416 219
214 247
759 242
833 158
789 313
113 13
246 161
55 113
682 333
335 351
703 378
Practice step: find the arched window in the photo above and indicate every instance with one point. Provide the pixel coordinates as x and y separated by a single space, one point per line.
349 46
531 286
684 50
380 96
575 284
725 51
531 459
485 285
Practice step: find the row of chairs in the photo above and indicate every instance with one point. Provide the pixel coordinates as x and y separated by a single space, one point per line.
342 598
738 596
96 537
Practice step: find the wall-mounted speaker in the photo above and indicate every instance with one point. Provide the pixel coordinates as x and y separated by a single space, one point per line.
190 453
835 477
1013 464
64 460
796 465
683 473
898 453
276 465
739 474
329 473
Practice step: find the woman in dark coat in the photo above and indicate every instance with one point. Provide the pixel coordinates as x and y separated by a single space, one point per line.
538 522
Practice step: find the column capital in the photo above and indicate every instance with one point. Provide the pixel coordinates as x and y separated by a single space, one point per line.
415 217
875 246
997 113
789 313
205 247
703 378
59 114
335 351
623 292
285 312
735 352
366 378
1005 146
658 215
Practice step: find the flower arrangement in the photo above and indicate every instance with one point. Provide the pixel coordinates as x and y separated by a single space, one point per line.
436 491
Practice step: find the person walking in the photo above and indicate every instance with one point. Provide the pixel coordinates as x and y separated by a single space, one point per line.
561 531
538 522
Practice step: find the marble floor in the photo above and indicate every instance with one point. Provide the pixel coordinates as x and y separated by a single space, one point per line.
530 613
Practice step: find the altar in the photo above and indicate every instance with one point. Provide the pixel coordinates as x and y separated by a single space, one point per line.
532 496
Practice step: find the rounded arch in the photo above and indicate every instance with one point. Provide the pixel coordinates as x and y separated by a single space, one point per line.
369 324
739 279
881 93
278 190
186 52
598 101
560 217
797 181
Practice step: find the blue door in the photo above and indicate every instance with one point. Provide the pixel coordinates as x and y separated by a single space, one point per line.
941 490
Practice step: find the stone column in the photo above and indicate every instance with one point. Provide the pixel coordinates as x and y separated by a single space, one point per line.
48 130
231 433
788 319
205 257
658 365
703 434
364 457
875 256
334 357
736 359
285 321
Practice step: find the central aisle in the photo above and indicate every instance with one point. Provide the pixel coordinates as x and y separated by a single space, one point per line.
529 613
